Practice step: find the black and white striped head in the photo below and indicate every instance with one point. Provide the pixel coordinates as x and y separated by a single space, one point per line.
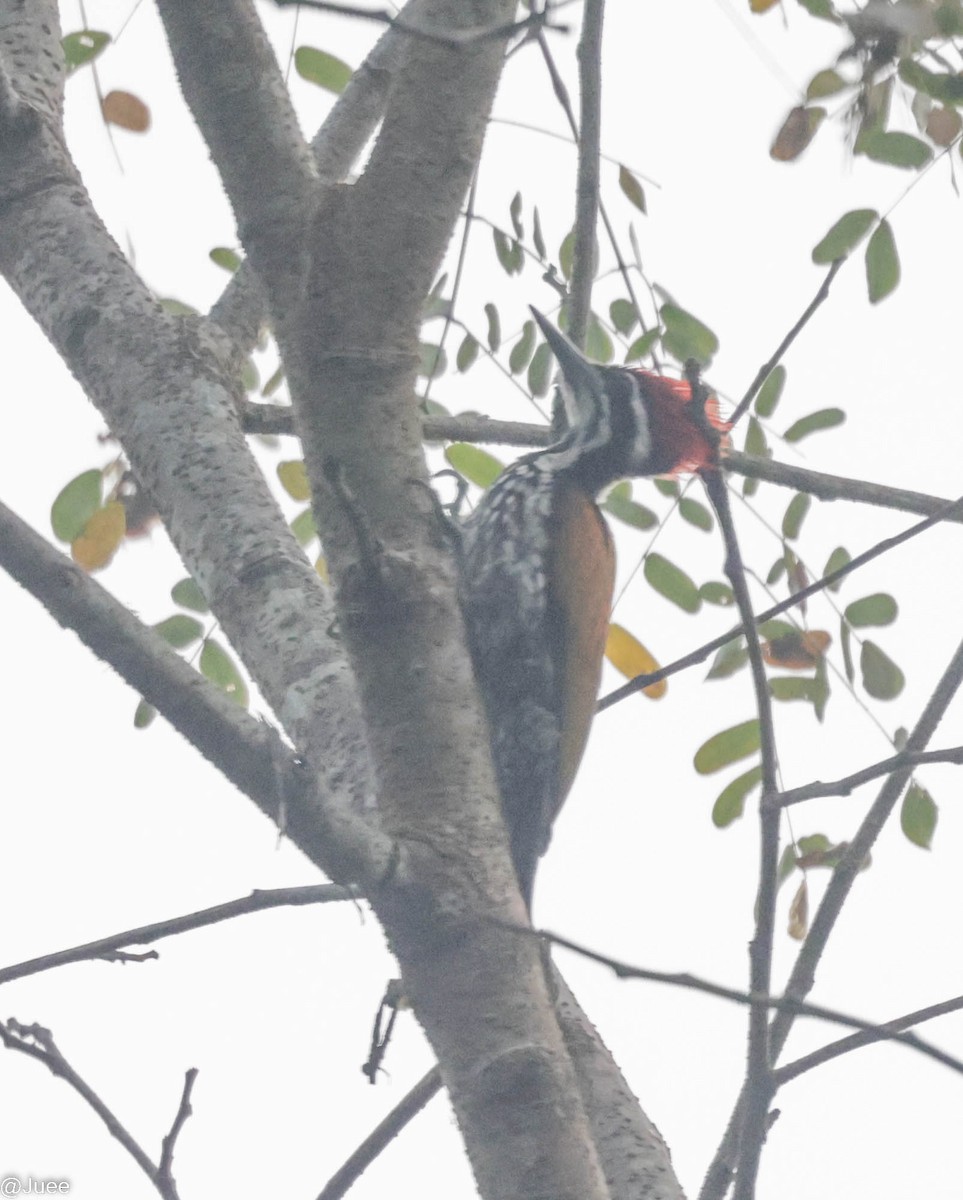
625 421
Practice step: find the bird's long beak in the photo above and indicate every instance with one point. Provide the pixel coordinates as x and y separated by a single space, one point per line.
584 378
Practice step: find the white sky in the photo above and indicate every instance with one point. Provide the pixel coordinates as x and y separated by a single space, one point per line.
105 828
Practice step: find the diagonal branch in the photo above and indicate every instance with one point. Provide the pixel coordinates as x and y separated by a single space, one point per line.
846 785
247 751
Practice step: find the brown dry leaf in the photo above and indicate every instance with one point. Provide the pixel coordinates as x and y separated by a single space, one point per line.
799 913
943 125
797 651
103 533
796 133
125 110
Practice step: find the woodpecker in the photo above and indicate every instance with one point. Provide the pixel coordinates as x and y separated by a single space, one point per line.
537 570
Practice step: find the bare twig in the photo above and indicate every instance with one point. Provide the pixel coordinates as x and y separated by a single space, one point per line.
38 1043
378 1139
780 1004
587 178
951 510
866 1037
258 901
844 786
788 340
165 1182
456 38
759 1086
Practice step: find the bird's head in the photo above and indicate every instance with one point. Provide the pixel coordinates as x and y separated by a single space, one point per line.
626 421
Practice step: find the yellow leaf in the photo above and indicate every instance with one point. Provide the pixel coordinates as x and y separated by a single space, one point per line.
102 534
760 6
797 651
627 654
799 913
294 479
321 566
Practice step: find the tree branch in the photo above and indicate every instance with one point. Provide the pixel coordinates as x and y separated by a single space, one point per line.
144 935
589 139
846 785
248 752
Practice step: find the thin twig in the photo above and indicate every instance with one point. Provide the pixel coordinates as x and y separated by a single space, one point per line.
759 1086
951 510
787 341
455 38
846 785
381 1135
38 1043
258 901
165 1183
868 1037
779 1004
589 56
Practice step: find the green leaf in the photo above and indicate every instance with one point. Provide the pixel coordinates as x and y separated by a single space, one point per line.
918 816
845 235
895 149
322 69
882 264
273 383
878 609
716 593
220 668
623 316
75 504
948 89
631 188
250 377
787 864
820 8
731 658
598 344
472 463
769 394
882 678
515 212
793 687
642 345
839 558
82 47
303 527
668 487
825 83
686 337
566 254
294 479
671 582
432 360
180 630
620 504
825 418
695 513
144 714
467 352
727 747
523 349
777 570
846 644
187 594
225 258
796 511
540 370
731 801
537 237
494 328
509 252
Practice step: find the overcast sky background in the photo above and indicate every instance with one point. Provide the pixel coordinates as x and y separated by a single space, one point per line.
106 828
